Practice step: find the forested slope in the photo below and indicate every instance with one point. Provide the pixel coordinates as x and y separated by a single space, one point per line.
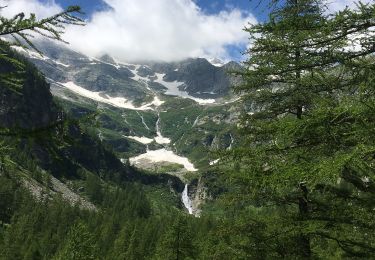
299 184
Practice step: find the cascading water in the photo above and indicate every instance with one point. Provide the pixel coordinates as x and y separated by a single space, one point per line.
231 142
160 139
143 120
186 200
162 155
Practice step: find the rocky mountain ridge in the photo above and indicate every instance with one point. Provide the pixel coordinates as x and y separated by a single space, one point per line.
41 136
193 90
190 78
160 117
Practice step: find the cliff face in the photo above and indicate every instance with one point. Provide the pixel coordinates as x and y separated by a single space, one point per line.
62 153
32 105
198 194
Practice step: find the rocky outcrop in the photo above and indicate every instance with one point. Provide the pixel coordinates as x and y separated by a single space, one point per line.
61 153
30 105
56 188
201 78
198 195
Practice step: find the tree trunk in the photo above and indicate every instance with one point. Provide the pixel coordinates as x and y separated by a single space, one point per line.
304 240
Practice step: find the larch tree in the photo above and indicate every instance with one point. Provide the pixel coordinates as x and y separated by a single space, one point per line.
21 29
302 81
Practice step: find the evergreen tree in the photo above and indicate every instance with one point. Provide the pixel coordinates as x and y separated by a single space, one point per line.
79 245
121 244
134 251
177 242
21 29
94 188
299 78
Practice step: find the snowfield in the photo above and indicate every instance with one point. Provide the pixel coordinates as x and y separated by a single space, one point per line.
172 90
143 140
163 155
119 102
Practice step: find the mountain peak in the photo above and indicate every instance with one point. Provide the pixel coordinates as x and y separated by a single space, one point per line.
108 59
216 62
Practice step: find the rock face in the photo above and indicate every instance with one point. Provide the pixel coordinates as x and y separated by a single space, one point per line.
190 97
197 194
44 193
201 78
198 77
30 106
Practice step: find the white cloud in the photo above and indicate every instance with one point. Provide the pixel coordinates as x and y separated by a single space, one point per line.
339 5
29 6
137 30
159 30
165 30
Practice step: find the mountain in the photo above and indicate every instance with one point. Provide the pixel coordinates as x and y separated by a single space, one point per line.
58 182
182 107
17 109
198 77
39 133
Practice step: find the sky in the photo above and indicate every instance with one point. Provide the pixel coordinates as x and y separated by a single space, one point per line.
208 6
159 30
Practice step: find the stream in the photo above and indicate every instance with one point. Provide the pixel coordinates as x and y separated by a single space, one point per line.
165 154
186 200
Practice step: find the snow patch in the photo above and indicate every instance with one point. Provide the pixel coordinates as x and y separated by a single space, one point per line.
214 162
38 56
119 102
136 77
143 139
160 139
173 90
163 155
30 53
157 102
143 121
216 62
117 66
61 64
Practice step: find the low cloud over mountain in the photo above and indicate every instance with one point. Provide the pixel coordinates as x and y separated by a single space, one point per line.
164 30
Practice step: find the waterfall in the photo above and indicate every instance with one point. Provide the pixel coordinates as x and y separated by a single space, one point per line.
196 121
160 139
186 200
143 120
231 142
158 132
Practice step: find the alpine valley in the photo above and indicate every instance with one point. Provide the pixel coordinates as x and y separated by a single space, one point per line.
164 120
112 158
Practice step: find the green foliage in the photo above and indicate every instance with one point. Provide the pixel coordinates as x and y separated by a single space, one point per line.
177 242
19 26
306 161
197 131
43 225
300 186
94 188
80 244
22 29
123 227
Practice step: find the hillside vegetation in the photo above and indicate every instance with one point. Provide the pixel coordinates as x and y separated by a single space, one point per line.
282 165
